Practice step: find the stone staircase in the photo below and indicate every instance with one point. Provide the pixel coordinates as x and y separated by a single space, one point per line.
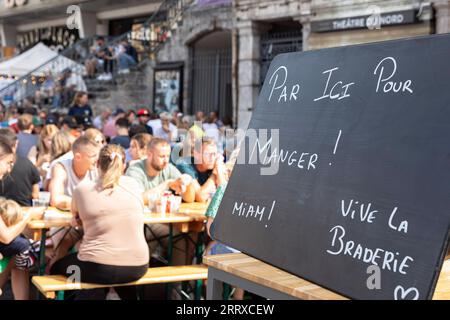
127 91
132 90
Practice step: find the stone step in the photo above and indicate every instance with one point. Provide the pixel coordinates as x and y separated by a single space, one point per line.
101 89
132 77
100 95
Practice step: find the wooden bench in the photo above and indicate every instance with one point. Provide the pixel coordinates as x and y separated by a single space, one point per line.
255 276
50 285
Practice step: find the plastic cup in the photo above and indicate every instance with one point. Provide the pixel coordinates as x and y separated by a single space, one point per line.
175 203
43 200
44 196
39 203
162 206
152 201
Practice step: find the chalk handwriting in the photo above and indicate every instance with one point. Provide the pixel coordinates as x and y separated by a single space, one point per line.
338 91
386 259
390 64
247 210
278 81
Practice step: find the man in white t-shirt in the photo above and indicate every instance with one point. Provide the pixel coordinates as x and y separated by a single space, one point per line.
167 130
67 173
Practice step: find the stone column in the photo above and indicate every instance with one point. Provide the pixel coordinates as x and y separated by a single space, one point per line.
442 8
8 35
102 28
249 69
305 20
88 26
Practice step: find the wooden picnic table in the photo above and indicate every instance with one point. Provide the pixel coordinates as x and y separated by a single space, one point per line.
253 275
189 213
190 218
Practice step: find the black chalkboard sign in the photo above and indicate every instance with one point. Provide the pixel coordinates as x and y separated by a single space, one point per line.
347 183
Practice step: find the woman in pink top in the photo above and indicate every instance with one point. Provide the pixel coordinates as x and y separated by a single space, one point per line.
113 249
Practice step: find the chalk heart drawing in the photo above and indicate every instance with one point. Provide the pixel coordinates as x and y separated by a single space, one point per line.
401 294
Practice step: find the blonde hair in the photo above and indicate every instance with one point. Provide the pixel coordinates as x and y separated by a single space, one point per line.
155 142
10 212
24 122
61 144
111 163
93 133
82 143
49 130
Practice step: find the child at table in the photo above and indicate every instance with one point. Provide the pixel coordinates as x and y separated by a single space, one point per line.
13 221
11 214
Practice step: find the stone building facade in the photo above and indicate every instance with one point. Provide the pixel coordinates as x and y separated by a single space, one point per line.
255 31
223 49
323 23
206 25
201 48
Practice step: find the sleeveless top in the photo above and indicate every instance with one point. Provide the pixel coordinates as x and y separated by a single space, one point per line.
72 179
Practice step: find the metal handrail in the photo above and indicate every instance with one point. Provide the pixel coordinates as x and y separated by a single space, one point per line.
171 10
62 53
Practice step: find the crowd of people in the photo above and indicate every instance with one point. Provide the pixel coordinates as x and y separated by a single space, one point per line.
56 89
104 170
105 58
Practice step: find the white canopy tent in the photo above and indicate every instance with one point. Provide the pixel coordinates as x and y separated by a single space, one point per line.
36 57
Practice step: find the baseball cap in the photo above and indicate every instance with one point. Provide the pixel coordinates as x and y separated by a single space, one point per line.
70 121
143 112
37 121
118 111
87 121
51 120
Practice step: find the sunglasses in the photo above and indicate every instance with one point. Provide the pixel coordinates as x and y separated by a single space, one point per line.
100 141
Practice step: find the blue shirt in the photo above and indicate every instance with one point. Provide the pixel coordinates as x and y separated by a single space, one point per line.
26 142
186 165
123 141
80 112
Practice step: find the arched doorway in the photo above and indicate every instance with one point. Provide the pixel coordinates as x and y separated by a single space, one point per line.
211 74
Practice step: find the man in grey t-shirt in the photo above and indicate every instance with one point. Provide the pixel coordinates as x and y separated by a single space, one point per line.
156 175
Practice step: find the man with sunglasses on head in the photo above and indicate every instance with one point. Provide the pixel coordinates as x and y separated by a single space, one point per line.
206 167
66 175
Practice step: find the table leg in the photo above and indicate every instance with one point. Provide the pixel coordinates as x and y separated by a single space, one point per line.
214 290
41 269
226 291
199 248
42 252
170 245
216 279
198 289
169 257
60 295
